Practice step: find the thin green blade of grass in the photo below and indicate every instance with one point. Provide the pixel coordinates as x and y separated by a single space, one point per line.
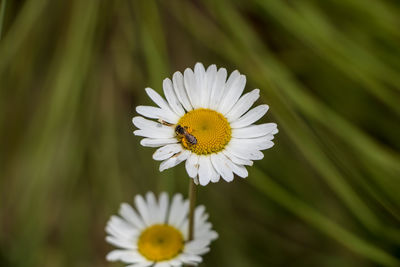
382 13
19 31
334 47
41 158
272 190
3 7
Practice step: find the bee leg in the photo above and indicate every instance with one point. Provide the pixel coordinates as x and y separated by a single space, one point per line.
184 142
165 123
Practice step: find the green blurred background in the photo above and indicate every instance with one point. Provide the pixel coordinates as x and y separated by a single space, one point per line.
71 73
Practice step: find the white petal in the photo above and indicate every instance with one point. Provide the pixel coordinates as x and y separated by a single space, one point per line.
215 176
161 134
191 88
116 254
127 256
157 113
174 160
199 213
180 90
162 264
227 87
200 251
240 170
130 215
181 214
163 204
192 165
205 170
201 83
235 159
120 228
141 206
167 151
244 152
189 258
150 142
254 130
172 99
232 94
218 88
195 245
250 117
145 124
159 100
120 243
152 207
243 105
115 231
141 264
260 143
219 161
177 207
176 262
211 75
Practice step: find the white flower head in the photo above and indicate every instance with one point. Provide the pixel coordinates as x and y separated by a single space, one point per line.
205 121
156 234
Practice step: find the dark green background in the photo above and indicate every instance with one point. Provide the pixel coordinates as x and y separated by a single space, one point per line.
71 73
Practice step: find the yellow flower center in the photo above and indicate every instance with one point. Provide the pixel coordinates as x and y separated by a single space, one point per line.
160 242
210 128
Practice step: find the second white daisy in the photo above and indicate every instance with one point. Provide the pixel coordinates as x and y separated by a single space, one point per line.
157 235
205 121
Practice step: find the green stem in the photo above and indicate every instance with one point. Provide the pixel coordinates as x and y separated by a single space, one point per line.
2 13
192 205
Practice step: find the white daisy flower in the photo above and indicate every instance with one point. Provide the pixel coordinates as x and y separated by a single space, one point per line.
205 121
156 234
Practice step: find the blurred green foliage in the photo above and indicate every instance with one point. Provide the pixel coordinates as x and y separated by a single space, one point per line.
71 73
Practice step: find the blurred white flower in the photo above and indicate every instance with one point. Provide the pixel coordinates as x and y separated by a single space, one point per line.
156 233
206 121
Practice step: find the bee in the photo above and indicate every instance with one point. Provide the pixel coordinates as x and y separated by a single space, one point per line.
183 131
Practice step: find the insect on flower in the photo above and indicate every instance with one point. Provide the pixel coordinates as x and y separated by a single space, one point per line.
184 131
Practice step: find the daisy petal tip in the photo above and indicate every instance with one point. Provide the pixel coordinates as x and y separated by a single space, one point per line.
204 182
265 107
136 120
199 65
111 257
176 75
138 109
167 82
212 67
149 90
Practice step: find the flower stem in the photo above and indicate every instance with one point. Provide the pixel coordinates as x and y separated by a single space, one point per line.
192 205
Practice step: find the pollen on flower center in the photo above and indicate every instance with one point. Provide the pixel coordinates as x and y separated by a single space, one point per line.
210 128
160 242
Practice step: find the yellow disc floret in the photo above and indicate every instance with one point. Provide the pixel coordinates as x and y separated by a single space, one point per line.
210 128
160 242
